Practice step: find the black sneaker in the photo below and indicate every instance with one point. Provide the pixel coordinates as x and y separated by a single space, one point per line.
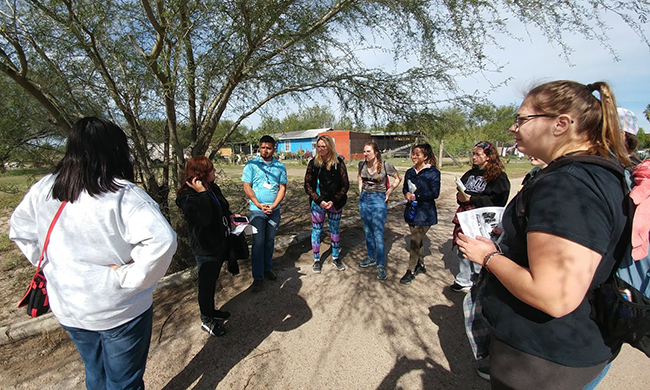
407 278
338 264
419 269
270 275
317 267
213 327
458 288
257 285
221 315
484 372
381 272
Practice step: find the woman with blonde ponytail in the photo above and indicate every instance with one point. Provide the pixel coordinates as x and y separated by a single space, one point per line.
559 241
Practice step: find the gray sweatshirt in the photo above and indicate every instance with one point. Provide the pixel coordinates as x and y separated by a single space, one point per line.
92 233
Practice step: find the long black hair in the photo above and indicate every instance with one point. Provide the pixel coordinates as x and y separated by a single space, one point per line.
96 155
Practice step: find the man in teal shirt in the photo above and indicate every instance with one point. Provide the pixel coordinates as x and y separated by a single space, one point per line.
265 183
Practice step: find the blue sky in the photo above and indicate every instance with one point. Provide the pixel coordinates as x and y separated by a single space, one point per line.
534 60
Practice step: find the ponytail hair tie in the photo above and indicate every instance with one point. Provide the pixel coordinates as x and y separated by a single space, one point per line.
591 87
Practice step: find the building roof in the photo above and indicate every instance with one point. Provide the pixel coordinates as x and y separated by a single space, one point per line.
395 133
300 134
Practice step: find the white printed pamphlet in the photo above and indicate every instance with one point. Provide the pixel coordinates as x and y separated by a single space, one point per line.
481 221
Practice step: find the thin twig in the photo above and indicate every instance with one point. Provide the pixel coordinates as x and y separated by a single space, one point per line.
164 323
249 380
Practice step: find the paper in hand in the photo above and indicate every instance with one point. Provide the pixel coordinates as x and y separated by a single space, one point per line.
244 228
460 186
480 222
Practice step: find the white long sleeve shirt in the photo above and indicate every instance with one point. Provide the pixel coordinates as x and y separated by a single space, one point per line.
92 233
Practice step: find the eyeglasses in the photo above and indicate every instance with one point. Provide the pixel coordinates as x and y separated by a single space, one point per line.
518 118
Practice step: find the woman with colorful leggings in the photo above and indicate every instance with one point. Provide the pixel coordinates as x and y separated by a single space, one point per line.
327 184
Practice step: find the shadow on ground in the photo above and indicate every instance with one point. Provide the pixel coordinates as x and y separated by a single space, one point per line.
207 368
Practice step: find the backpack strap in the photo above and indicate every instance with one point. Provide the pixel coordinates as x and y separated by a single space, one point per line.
624 175
614 166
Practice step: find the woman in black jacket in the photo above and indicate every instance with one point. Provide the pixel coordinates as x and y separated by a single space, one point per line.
486 185
207 215
327 184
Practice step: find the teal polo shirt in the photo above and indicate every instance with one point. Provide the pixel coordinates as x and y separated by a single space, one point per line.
265 179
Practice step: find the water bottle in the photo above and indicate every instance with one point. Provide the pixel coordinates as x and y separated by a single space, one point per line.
412 210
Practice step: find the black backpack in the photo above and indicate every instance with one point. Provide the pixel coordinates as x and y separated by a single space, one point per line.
619 305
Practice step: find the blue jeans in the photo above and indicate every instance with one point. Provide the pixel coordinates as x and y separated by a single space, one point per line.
468 271
593 384
372 209
115 358
263 240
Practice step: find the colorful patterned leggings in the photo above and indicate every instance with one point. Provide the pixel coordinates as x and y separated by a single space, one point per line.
317 219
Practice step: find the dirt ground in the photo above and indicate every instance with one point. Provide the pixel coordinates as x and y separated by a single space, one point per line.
334 330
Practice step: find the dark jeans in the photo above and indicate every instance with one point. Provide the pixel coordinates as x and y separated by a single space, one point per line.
209 268
115 358
263 241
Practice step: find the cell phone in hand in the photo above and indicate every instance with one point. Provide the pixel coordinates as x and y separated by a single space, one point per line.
239 219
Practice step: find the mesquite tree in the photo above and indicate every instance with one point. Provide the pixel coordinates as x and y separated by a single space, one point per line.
192 64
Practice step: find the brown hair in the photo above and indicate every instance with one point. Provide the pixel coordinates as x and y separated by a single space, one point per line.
597 119
199 167
380 162
494 166
631 142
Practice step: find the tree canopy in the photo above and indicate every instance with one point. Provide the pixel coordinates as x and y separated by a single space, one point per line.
191 64
24 126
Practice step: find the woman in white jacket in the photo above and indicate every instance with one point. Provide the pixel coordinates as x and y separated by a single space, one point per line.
107 251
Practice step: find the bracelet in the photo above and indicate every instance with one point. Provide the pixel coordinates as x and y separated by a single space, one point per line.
489 257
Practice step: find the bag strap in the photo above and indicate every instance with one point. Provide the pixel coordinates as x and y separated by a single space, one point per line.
615 167
523 197
47 237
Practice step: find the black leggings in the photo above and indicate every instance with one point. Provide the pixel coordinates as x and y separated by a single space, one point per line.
511 368
209 269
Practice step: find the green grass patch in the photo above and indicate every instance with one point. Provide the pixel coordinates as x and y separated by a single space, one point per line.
15 183
25 172
12 257
5 243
